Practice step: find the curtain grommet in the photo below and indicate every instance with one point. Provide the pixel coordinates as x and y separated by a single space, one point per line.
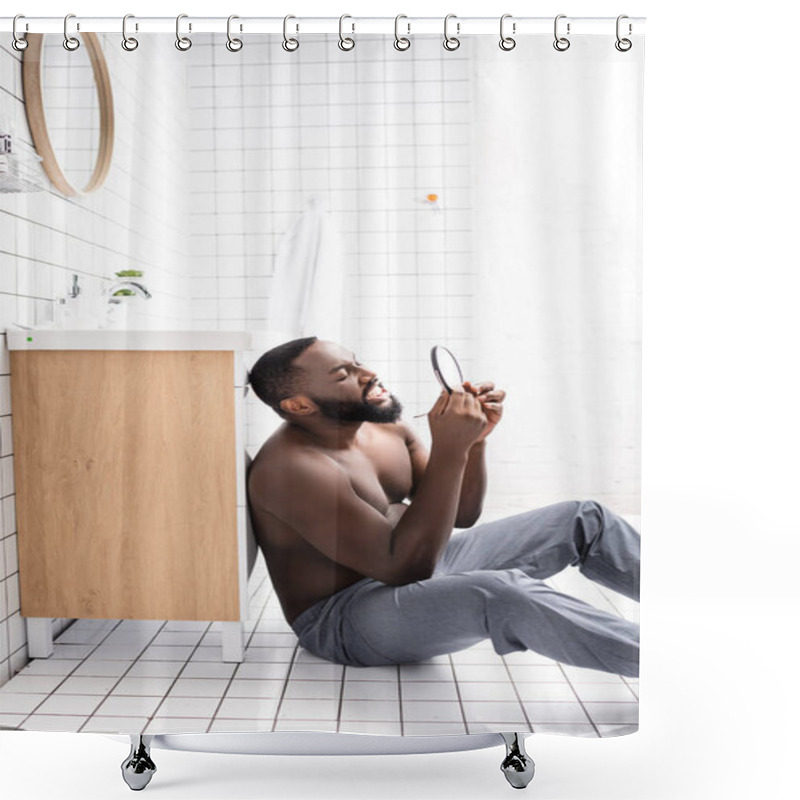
561 43
401 43
183 43
129 43
19 42
623 44
507 42
233 44
451 43
346 43
288 44
71 43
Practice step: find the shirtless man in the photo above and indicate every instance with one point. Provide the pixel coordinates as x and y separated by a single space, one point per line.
366 577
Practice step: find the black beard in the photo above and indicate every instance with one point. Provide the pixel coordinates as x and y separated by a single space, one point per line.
355 411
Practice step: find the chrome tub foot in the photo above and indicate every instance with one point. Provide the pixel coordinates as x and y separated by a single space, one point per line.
138 768
517 766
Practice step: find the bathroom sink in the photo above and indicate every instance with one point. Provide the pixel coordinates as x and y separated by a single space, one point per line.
127 340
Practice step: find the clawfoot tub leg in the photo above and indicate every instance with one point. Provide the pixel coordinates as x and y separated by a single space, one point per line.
138 767
517 766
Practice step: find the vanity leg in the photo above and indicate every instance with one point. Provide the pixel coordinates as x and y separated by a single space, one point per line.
233 641
40 636
138 768
517 766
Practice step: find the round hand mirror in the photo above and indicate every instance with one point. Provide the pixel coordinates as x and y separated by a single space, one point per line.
446 368
70 110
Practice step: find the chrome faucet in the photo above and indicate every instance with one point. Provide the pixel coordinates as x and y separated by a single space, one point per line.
136 287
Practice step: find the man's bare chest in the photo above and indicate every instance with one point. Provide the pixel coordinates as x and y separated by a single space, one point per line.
379 471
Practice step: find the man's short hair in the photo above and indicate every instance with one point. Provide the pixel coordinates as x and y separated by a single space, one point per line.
275 377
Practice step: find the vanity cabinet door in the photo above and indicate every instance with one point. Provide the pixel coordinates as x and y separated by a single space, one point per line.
125 464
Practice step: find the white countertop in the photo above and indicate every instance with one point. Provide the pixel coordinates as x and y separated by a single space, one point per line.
127 340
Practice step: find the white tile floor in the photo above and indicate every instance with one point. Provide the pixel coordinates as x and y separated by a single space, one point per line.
133 676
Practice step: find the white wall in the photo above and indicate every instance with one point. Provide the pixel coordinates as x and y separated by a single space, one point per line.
134 221
371 132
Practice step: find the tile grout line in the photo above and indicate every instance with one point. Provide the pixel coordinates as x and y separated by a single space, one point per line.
577 697
83 661
285 685
216 180
213 718
400 702
633 690
175 679
341 700
516 692
458 693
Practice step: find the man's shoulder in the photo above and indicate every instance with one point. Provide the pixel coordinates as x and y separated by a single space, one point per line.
399 428
407 433
279 457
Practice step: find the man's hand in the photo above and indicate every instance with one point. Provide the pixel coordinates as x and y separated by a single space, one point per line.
491 400
456 420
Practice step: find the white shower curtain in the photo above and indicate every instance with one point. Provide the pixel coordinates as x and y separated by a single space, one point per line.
385 201
557 193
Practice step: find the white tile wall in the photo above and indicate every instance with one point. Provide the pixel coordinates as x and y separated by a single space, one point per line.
137 220
372 133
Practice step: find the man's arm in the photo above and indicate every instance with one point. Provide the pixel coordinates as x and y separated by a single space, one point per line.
395 512
473 485
350 531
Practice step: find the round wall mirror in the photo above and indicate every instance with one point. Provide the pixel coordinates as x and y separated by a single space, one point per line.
70 110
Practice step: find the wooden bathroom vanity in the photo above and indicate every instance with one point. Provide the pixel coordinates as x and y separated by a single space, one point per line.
129 463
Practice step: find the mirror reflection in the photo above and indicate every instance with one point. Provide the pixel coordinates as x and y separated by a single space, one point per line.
71 109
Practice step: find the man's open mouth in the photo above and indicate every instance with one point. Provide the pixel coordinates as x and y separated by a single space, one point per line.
375 391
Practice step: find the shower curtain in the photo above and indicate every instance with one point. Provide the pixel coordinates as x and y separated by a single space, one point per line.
166 570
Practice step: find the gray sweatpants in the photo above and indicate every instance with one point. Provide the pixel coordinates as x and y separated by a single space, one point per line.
489 584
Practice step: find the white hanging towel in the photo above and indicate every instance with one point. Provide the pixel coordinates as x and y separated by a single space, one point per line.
308 284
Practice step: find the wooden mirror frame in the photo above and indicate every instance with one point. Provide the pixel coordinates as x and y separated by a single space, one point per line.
34 108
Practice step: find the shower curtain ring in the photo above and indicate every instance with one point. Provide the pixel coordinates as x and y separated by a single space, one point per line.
182 42
289 45
401 43
451 42
19 42
561 43
129 43
623 45
233 44
507 42
70 42
345 42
